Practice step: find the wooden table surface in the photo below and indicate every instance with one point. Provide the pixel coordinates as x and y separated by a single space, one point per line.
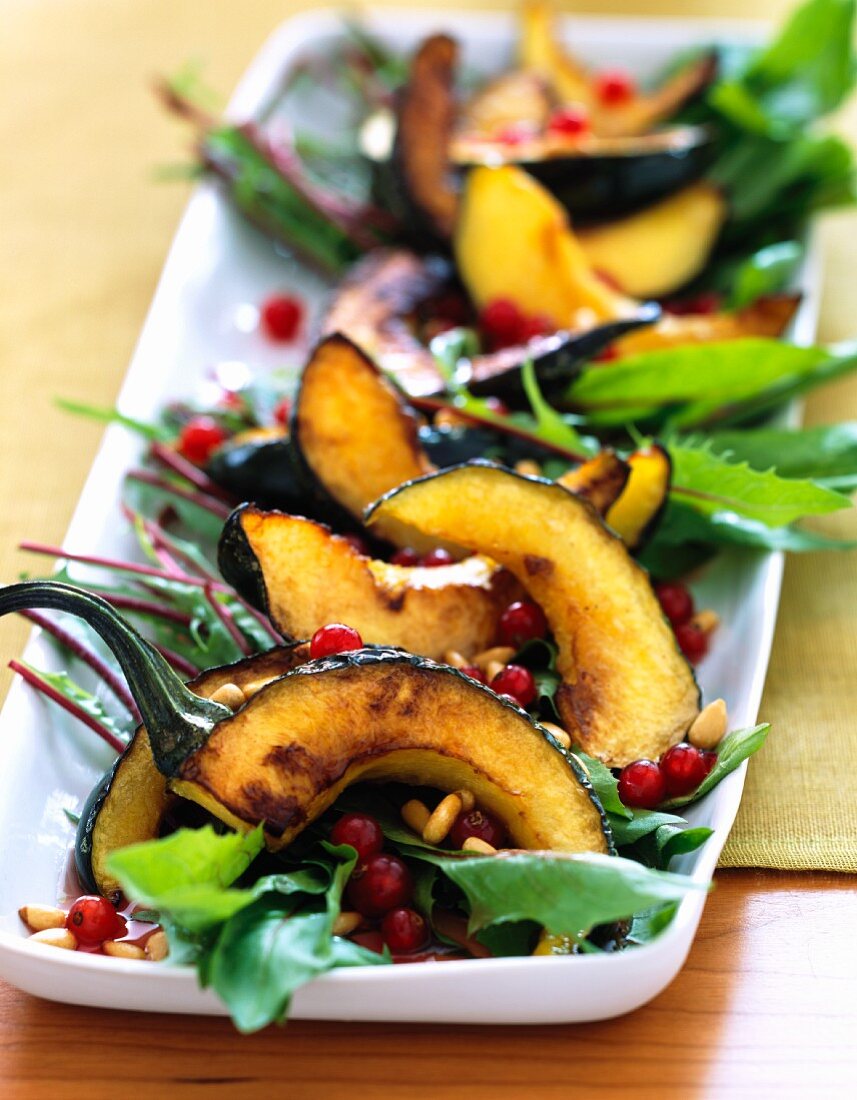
765 1005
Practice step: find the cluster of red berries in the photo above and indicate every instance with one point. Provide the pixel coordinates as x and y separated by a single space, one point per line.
645 784
380 887
92 920
677 604
430 560
504 324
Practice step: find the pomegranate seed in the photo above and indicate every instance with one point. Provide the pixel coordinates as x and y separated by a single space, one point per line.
232 401
474 673
683 769
379 884
199 438
404 931
478 824
705 303
676 602
501 322
436 557
359 544
515 134
692 641
709 759
283 410
282 316
334 638
406 556
361 831
93 919
521 622
372 941
537 325
569 122
641 784
614 86
517 681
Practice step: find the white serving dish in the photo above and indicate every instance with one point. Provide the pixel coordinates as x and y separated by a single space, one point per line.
217 264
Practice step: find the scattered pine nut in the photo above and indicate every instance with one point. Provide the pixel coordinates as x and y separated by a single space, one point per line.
477 844
468 801
706 620
528 467
415 815
56 937
255 686
346 923
438 825
494 668
117 949
503 653
229 695
157 947
710 725
558 732
40 917
454 658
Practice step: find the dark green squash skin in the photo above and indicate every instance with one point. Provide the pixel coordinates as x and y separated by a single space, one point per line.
263 471
237 563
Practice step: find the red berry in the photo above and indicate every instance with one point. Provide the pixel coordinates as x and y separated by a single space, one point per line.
521 622
199 438
282 315
709 759
571 121
436 557
683 769
373 941
361 831
474 673
501 322
705 303
676 602
379 884
614 86
478 824
406 556
517 681
641 784
232 401
93 920
334 638
404 931
359 544
283 410
539 324
692 641
515 134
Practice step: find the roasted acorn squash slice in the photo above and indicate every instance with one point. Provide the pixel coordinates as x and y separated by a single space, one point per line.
382 715
303 577
627 692
634 515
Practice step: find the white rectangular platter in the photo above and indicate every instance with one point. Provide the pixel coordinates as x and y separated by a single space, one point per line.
200 326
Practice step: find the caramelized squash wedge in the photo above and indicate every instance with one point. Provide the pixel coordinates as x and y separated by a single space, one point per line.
303 576
634 515
601 480
659 249
627 692
382 715
130 803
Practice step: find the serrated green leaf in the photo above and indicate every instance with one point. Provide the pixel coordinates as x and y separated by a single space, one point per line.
827 453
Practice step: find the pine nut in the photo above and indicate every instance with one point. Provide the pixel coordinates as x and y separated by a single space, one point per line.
346 923
56 937
477 844
528 467
229 695
468 800
558 732
415 815
157 947
454 658
494 668
438 825
255 686
40 917
502 653
553 944
710 725
706 620
119 950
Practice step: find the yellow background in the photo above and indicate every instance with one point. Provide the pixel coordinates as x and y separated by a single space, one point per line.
83 233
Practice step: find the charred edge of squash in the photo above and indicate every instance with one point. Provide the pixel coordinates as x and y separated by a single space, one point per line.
237 563
601 480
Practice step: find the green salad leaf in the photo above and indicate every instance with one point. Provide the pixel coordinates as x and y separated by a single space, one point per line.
732 751
764 272
827 453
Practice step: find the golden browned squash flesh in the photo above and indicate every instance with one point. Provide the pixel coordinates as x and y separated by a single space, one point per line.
513 240
304 577
647 110
658 250
601 480
512 99
766 317
627 692
539 51
387 716
635 513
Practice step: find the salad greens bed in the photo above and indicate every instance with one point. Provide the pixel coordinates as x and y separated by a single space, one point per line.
257 926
